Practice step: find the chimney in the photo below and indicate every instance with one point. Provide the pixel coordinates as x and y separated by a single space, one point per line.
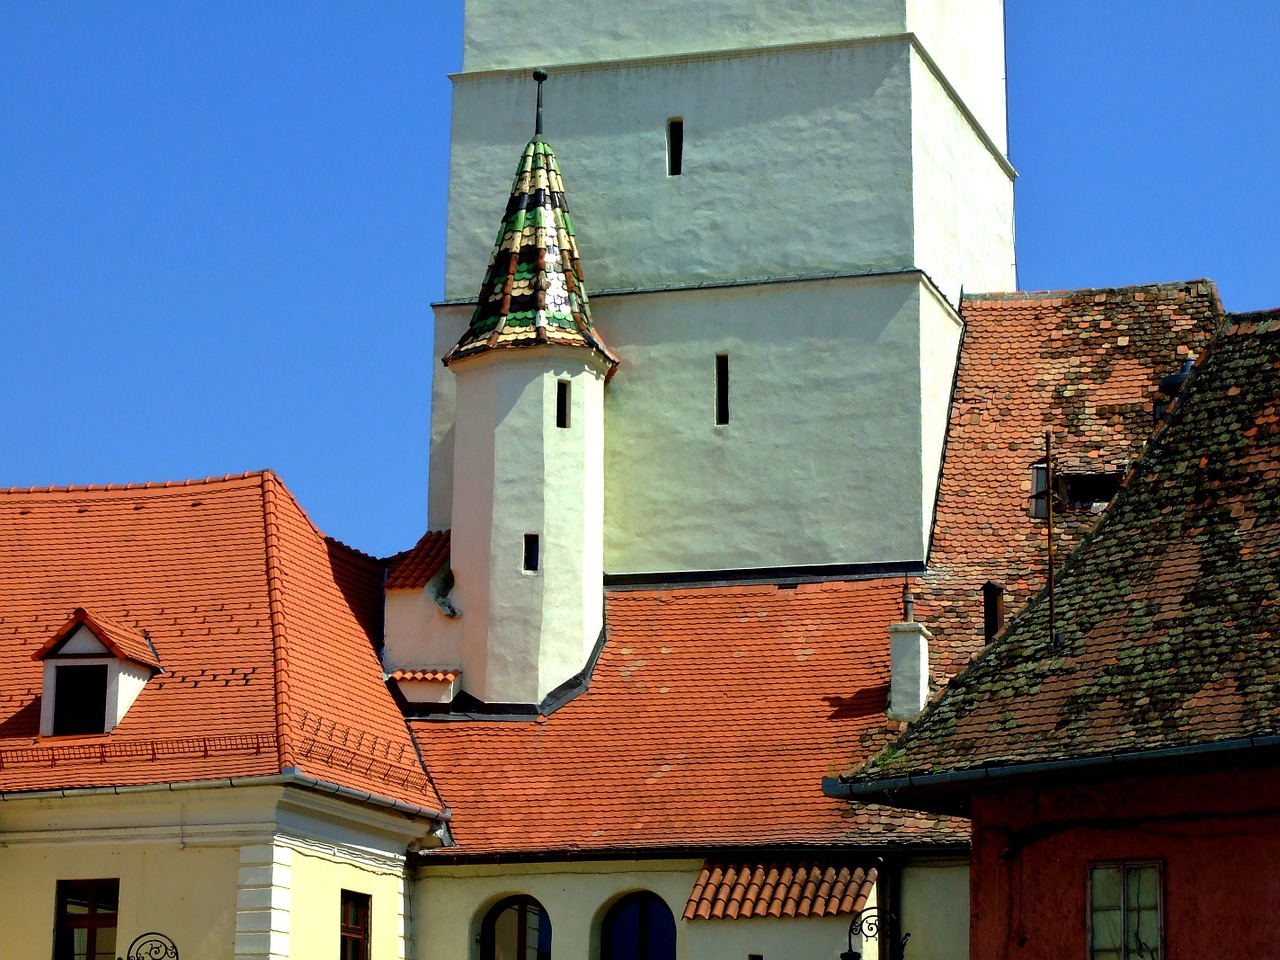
909 656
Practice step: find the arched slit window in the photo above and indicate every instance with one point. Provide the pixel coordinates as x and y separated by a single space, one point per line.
516 928
638 927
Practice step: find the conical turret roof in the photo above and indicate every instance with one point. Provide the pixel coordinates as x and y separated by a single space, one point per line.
533 291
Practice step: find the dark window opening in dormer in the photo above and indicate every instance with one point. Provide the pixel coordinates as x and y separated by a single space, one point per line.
562 404
722 388
675 146
992 610
1084 492
80 700
1039 491
531 557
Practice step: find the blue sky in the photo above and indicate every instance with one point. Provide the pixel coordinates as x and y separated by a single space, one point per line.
221 224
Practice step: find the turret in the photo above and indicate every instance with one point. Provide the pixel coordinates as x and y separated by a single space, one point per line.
528 473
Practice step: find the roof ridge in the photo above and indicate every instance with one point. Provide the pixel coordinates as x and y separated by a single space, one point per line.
279 633
145 485
1081 291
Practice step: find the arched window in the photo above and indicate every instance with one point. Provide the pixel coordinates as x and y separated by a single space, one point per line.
517 928
638 927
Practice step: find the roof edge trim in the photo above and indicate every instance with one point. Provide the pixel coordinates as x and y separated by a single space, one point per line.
275 604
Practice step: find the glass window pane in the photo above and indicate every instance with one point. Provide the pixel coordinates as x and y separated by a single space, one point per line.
1106 887
1144 934
105 943
106 898
1142 887
1106 930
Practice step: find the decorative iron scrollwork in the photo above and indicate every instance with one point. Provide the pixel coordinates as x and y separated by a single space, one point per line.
152 946
866 926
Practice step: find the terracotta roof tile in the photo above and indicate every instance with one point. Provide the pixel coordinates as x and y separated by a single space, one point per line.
1165 614
438 676
412 569
746 890
266 631
711 717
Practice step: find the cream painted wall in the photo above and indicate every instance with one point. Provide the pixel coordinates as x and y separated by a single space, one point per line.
935 909
963 197
517 473
318 882
452 900
615 29
188 894
839 393
416 633
795 163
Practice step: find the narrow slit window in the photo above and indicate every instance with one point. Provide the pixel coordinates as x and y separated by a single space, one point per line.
675 146
722 388
562 404
531 557
992 610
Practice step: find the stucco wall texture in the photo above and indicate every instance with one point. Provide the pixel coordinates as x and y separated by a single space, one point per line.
1216 837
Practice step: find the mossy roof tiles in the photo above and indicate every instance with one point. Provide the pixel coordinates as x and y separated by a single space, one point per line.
264 627
1165 614
534 291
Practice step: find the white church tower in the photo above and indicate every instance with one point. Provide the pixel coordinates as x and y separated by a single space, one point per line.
779 204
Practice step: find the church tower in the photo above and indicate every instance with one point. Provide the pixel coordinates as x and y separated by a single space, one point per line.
528 486
779 205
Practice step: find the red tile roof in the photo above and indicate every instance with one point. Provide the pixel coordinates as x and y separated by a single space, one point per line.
412 569
1085 364
438 676
748 890
124 643
711 717
266 630
1165 616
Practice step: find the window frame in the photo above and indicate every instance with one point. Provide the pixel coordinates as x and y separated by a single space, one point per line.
1124 866
646 900
357 933
521 903
92 921
64 711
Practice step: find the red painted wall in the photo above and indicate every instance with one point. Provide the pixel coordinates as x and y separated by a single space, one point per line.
1217 836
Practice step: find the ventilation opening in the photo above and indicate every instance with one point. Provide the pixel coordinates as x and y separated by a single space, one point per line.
722 388
675 146
531 552
992 610
562 404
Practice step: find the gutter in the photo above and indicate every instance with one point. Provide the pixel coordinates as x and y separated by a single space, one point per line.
291 777
883 790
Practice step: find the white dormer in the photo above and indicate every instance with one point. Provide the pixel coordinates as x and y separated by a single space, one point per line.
93 672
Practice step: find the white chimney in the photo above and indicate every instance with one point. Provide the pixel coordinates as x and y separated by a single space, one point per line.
909 657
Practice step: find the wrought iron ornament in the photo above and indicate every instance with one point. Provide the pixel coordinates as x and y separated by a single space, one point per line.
152 946
866 924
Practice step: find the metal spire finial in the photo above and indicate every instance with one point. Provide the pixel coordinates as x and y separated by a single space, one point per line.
539 76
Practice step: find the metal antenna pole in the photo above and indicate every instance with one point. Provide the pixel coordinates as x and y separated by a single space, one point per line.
539 76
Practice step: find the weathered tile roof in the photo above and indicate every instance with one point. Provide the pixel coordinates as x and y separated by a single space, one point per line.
122 641
533 290
733 891
1165 619
1085 364
412 569
711 715
265 629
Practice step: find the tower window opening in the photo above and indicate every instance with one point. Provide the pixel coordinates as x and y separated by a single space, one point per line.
722 388
562 404
992 610
531 557
675 146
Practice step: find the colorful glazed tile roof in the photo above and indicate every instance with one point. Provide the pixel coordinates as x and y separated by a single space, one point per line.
1165 622
123 642
265 628
711 716
1087 365
533 291
733 891
412 569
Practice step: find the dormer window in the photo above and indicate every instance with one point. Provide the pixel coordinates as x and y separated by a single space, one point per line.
93 671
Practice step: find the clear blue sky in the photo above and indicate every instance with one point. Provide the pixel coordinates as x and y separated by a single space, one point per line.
221 224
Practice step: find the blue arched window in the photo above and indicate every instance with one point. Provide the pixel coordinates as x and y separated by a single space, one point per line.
638 927
517 928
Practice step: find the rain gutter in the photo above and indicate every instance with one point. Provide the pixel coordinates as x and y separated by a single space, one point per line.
885 790
291 777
